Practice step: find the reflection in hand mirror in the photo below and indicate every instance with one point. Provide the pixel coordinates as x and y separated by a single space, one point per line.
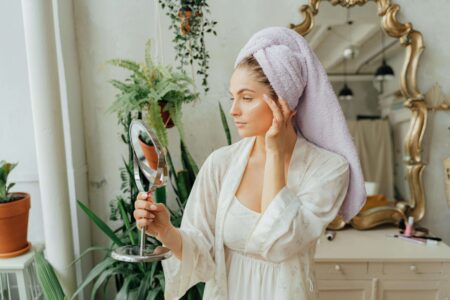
149 161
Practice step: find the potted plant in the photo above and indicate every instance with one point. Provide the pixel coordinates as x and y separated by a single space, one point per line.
190 23
155 90
14 209
137 281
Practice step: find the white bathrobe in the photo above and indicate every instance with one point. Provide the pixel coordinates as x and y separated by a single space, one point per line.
286 233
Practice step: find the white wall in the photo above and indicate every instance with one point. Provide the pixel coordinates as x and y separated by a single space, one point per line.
16 124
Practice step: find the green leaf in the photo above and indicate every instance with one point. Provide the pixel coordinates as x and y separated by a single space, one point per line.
96 271
160 195
187 161
48 281
144 287
102 279
125 219
182 185
100 224
88 250
123 292
153 293
225 124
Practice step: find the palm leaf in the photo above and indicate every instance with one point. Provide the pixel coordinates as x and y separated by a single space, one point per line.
123 292
100 224
126 221
51 287
225 124
96 271
129 65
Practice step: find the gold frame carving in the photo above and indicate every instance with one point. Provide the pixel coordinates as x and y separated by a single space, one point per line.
412 41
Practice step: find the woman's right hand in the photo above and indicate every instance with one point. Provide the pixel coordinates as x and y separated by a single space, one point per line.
155 217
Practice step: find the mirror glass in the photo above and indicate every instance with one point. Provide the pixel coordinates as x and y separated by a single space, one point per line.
150 173
364 65
149 157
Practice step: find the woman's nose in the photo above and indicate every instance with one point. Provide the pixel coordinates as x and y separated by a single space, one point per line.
235 110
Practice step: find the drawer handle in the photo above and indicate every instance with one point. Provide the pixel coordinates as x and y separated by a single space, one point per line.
338 268
413 268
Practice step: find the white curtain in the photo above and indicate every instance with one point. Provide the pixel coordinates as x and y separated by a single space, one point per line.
373 141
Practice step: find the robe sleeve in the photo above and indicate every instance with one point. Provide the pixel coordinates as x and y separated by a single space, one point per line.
197 231
292 222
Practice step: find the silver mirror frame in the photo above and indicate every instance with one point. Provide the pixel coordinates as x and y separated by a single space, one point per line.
157 178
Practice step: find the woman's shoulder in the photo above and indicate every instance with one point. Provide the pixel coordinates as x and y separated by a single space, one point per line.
321 156
222 158
225 154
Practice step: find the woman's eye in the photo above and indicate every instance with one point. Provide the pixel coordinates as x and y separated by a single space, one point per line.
244 98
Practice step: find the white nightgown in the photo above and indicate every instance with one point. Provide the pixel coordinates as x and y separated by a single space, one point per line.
277 259
250 276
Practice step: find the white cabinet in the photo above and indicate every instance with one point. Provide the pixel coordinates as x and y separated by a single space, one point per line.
345 289
370 265
410 289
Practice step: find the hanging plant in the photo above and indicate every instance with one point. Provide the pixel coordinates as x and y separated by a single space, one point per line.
189 23
155 90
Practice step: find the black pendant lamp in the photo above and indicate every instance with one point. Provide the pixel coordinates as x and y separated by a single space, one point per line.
346 93
385 71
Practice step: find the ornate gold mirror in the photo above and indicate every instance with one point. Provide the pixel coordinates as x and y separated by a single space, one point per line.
356 40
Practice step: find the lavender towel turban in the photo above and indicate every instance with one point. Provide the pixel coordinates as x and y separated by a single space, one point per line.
297 76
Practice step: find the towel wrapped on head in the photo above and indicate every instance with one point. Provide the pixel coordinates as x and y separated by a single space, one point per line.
297 76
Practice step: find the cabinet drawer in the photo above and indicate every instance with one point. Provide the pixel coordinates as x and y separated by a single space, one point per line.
341 268
412 268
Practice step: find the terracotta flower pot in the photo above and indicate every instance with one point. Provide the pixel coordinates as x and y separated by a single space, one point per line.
185 13
168 122
14 226
150 154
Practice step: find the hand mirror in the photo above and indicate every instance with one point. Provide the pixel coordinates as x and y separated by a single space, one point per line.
149 159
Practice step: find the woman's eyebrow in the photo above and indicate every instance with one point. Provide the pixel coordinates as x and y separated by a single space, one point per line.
243 90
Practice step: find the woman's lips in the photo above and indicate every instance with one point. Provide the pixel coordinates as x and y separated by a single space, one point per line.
239 125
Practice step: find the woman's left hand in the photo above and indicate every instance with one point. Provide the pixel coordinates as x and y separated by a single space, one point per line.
282 116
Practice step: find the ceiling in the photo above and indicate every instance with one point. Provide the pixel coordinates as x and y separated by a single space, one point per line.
331 34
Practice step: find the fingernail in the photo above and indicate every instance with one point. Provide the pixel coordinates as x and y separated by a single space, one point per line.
152 206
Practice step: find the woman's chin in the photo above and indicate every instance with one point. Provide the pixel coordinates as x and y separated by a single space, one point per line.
246 133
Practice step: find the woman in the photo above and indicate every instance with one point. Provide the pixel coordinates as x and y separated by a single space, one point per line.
258 207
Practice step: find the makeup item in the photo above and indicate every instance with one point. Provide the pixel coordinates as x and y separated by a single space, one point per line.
409 230
330 235
411 239
427 238
418 240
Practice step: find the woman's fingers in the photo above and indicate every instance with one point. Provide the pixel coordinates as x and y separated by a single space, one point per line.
142 223
141 213
148 196
285 108
142 196
277 114
157 207
142 204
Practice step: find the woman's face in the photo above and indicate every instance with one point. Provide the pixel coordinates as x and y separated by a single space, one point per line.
251 114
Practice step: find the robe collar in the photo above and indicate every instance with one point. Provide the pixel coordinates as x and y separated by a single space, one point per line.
233 177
